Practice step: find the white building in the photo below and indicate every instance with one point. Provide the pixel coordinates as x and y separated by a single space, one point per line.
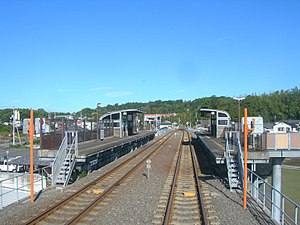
281 127
165 124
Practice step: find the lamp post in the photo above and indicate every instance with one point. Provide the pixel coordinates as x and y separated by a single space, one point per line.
7 160
98 104
124 118
239 107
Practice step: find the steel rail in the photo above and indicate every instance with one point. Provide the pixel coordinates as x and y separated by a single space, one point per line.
172 191
168 211
63 202
200 201
93 204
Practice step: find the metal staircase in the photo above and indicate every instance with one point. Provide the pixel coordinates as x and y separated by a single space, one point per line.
65 159
234 160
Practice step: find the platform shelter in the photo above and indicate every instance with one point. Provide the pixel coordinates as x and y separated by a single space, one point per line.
219 121
119 123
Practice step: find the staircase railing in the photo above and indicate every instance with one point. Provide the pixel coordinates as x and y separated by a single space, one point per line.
72 153
240 158
232 144
228 159
65 152
59 158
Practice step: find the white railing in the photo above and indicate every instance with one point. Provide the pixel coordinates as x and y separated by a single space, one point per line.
228 159
240 158
72 153
59 158
66 151
17 186
232 144
264 194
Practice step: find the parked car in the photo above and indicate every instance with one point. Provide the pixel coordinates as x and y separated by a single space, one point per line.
10 167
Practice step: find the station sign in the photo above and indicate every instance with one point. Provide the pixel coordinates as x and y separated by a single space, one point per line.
254 122
37 125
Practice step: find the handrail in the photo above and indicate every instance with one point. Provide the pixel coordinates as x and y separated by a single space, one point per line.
19 189
71 156
233 144
64 152
240 158
264 196
60 156
228 159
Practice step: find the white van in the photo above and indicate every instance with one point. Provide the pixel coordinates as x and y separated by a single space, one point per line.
10 167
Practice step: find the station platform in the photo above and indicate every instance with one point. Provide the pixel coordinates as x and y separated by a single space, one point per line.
94 154
216 150
89 148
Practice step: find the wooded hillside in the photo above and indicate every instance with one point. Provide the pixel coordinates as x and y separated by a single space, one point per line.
279 105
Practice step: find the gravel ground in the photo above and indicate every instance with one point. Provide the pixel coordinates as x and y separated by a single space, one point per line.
137 202
227 205
18 213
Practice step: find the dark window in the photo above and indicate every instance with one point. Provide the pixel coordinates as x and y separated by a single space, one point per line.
222 114
222 122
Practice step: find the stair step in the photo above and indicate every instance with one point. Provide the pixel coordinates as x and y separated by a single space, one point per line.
233 168
65 167
62 175
234 181
234 173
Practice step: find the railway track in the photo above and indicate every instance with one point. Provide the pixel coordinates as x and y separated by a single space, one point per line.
80 207
181 202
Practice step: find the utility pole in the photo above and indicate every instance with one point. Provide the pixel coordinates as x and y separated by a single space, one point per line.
98 104
246 131
14 121
239 116
31 132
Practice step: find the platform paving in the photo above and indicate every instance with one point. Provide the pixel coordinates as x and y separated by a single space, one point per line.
91 147
216 146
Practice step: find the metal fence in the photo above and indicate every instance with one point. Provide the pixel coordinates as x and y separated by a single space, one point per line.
17 186
274 141
264 194
53 141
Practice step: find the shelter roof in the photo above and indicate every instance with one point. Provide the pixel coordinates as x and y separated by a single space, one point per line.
204 110
121 111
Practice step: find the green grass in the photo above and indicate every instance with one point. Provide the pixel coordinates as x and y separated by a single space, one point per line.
291 184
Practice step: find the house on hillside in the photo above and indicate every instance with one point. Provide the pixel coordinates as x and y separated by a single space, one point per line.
295 125
281 127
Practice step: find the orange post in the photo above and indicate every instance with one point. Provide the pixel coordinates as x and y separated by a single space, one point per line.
31 131
246 130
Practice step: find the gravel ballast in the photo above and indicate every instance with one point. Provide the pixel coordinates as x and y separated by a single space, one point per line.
137 200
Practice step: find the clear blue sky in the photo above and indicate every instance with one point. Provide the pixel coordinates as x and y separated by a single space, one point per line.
68 55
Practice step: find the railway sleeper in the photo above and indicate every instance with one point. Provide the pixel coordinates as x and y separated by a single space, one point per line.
186 207
183 219
182 198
